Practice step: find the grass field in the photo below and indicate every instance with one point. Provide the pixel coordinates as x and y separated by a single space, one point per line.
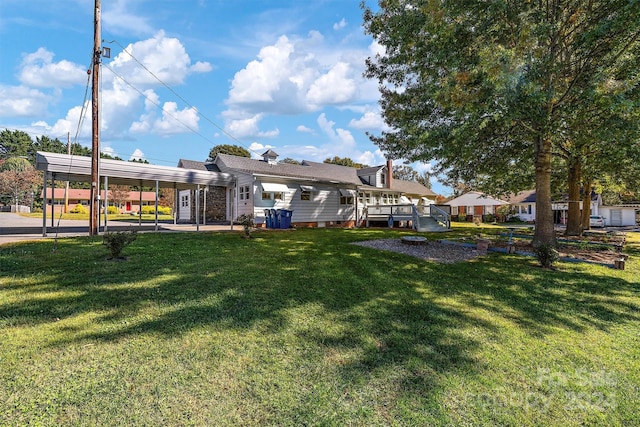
300 327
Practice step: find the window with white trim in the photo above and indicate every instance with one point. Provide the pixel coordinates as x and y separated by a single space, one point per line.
244 192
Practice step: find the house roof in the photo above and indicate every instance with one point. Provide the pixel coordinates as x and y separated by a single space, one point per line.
411 187
528 196
475 198
65 167
372 170
309 171
191 164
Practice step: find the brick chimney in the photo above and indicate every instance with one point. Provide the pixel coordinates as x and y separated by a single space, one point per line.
389 173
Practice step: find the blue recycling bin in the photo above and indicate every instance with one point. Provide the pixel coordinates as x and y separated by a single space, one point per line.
275 218
267 218
285 218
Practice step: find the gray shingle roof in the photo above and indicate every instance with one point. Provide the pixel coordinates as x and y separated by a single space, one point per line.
307 170
191 164
411 187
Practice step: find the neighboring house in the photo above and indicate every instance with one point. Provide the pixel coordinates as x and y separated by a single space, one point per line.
523 205
318 194
561 207
474 205
82 196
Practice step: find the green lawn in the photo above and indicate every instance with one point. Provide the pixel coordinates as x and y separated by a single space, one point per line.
300 327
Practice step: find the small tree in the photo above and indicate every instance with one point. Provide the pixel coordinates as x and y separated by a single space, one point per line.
117 241
119 194
18 179
246 220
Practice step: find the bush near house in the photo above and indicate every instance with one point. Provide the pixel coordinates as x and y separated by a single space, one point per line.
150 210
79 209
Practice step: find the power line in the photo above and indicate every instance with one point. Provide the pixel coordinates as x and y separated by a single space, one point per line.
177 95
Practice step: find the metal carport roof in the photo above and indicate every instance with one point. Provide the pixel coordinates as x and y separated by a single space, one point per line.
64 167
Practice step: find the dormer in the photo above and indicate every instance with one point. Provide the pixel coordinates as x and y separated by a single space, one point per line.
270 157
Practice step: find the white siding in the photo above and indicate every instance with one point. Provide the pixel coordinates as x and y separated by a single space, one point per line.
324 205
628 215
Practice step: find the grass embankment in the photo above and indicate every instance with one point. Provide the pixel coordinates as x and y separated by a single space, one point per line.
302 328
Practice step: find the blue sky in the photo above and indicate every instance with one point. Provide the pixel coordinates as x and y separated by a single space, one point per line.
186 75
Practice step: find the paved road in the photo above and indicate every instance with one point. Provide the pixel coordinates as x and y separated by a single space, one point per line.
16 228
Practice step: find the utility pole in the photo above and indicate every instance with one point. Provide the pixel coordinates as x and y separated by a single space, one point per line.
95 125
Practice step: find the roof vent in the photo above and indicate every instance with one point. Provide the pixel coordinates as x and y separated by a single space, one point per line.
270 157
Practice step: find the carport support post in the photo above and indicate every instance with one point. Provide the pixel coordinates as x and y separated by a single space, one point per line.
140 206
198 208
157 205
175 204
204 205
53 187
44 210
106 201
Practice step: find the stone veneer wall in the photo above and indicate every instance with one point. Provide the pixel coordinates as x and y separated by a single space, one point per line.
216 209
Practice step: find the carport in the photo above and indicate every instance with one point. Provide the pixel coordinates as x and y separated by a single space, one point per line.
64 167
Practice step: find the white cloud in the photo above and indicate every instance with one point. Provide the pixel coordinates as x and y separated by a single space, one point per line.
38 70
137 155
164 58
297 76
370 120
340 25
21 101
118 19
335 87
256 149
171 122
341 136
304 129
248 127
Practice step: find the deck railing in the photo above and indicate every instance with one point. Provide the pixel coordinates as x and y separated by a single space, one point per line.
440 216
389 210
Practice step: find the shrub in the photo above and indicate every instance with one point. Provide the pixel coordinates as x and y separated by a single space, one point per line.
146 210
547 255
246 220
79 209
112 210
489 218
151 210
117 241
462 217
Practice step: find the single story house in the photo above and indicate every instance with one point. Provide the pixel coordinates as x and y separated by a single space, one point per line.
523 205
77 196
474 204
317 194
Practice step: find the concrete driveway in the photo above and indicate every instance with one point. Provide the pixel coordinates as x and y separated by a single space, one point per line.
16 228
